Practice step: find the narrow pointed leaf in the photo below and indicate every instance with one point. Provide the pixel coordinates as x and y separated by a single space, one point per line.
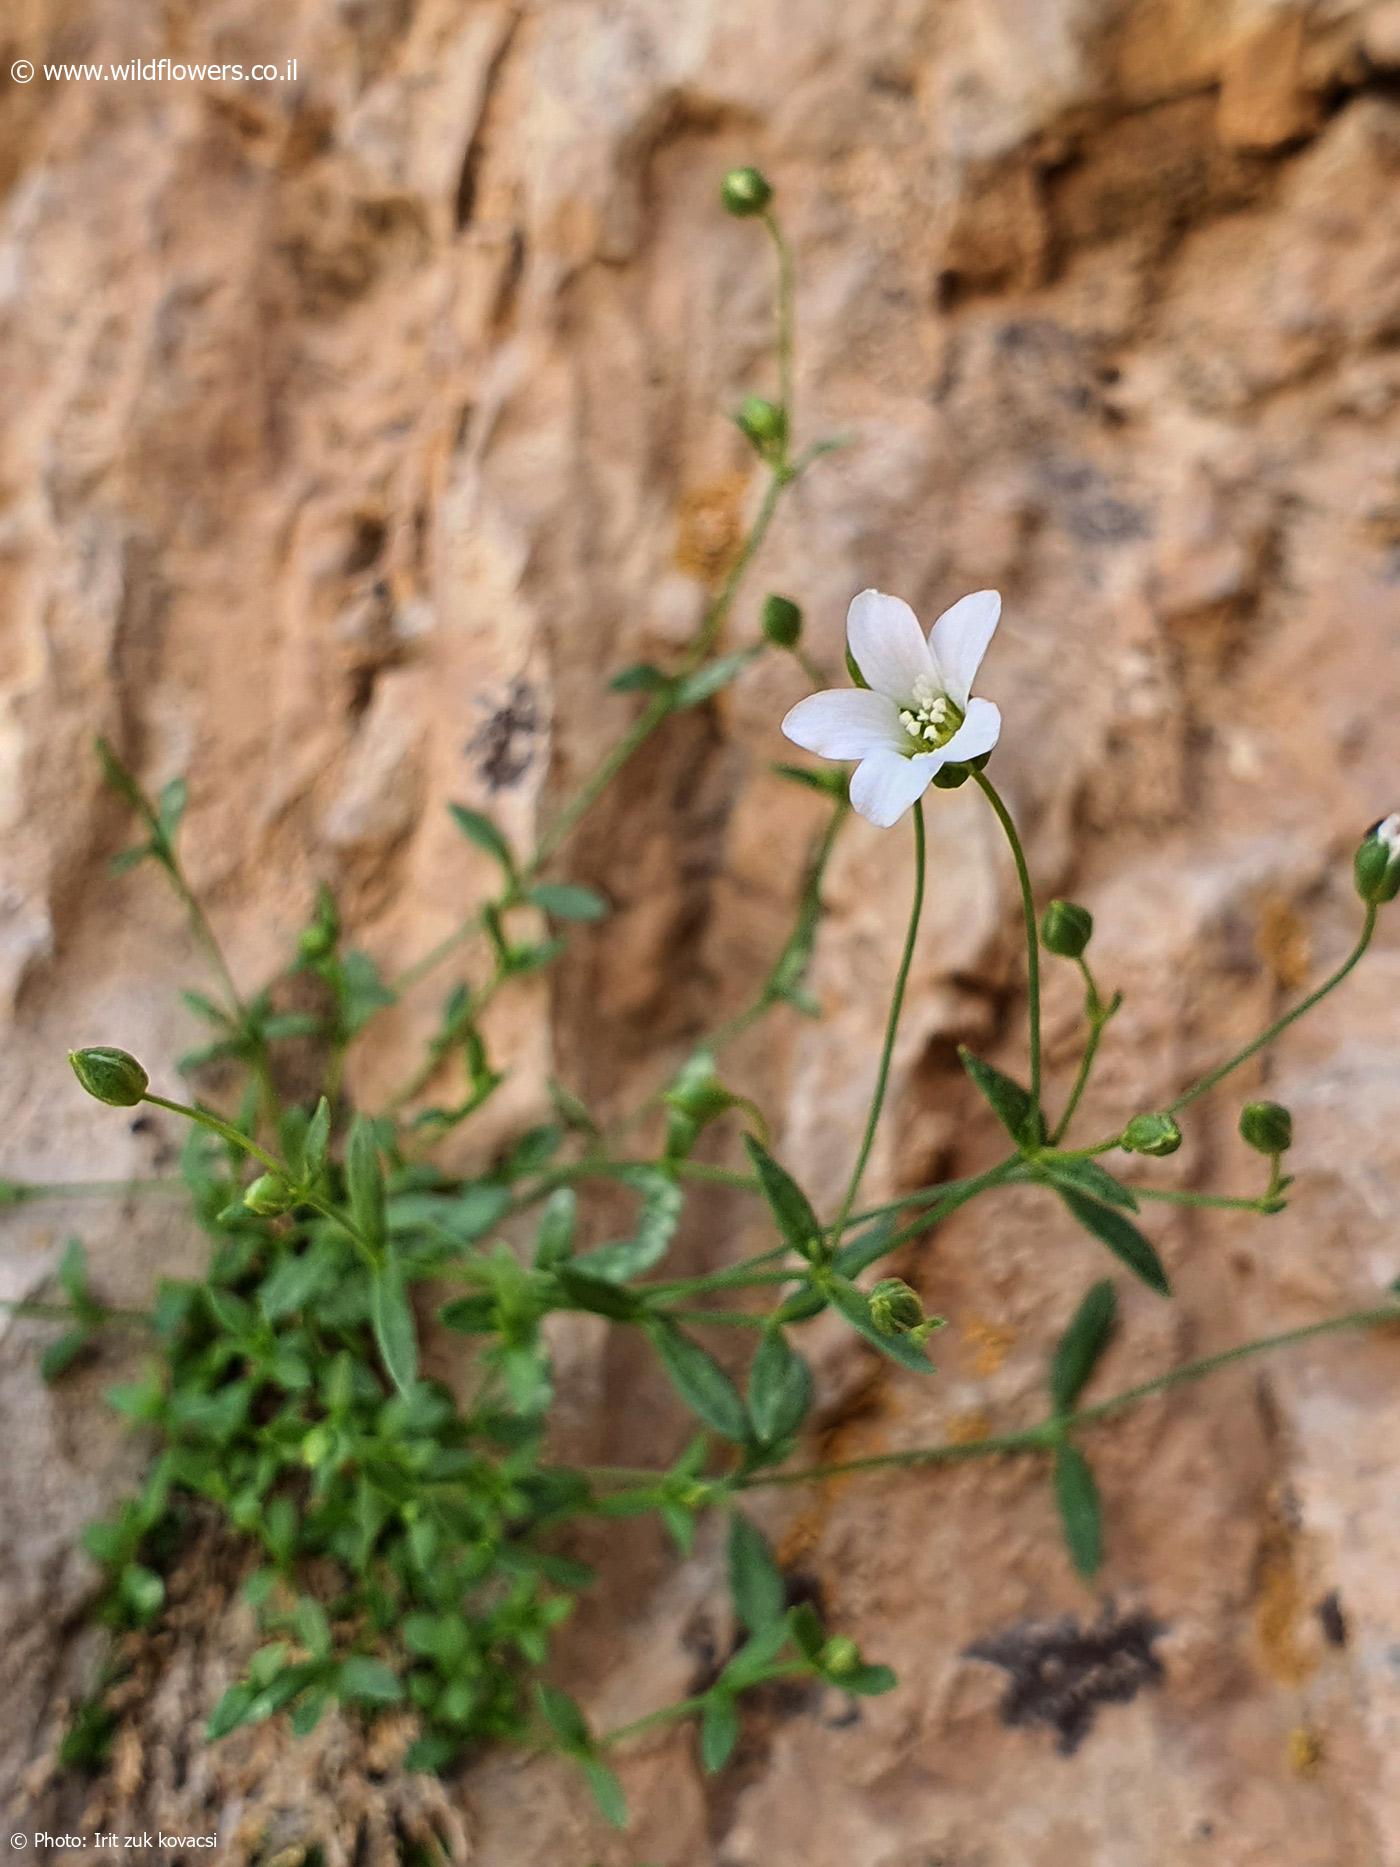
699 1380
1121 1236
1078 1498
395 1331
1089 1178
790 1205
1009 1101
365 1178
719 1733
780 1389
854 1305
755 1581
480 830
1081 1345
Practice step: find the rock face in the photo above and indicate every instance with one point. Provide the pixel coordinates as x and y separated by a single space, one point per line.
358 425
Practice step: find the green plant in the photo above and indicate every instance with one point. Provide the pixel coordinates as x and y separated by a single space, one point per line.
411 1543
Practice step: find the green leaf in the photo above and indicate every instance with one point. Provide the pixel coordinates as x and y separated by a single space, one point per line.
1078 1498
607 1791
297 1279
231 1711
564 1718
316 1142
598 1296
1081 1345
662 1205
312 1626
1010 1102
640 677
368 1681
1121 1236
481 831
854 1305
790 1206
804 1624
756 1655
693 689
780 1389
755 1581
72 1275
869 1681
572 1111
395 1331
171 808
564 901
699 1380
60 1355
719 1732
205 1008
361 991
1089 1178
365 1179
554 1241
306 1714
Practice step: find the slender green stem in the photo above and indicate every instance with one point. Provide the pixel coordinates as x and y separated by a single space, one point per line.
1280 1025
1023 876
1098 1013
891 1025
688 1707
23 1192
1037 1438
63 1312
216 1125
786 317
240 1140
1220 1202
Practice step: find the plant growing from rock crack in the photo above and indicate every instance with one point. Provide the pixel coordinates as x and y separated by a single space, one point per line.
410 1541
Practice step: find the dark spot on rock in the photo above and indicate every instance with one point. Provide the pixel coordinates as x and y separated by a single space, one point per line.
1088 507
1060 1672
504 745
1331 1619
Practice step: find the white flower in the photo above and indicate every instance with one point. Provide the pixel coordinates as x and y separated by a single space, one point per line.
917 714
1387 831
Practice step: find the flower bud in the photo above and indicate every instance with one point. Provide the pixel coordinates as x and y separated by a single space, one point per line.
268 1195
839 1655
113 1076
782 621
745 192
1267 1126
1157 1135
1377 863
1066 928
895 1309
315 942
764 423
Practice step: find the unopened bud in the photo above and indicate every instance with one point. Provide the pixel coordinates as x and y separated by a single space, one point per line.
895 1309
1267 1126
268 1195
782 621
764 423
113 1076
840 1655
1151 1134
315 942
1377 863
745 192
1066 928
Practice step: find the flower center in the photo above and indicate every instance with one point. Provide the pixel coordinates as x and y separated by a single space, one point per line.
931 718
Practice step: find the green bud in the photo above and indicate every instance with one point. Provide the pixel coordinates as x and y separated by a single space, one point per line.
839 1655
1267 1126
317 1446
1377 862
782 621
315 942
1157 1135
950 777
1066 928
113 1076
745 192
269 1194
895 1309
764 423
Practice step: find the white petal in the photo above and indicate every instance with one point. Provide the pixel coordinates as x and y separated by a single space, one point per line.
888 645
978 733
884 785
845 722
959 640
